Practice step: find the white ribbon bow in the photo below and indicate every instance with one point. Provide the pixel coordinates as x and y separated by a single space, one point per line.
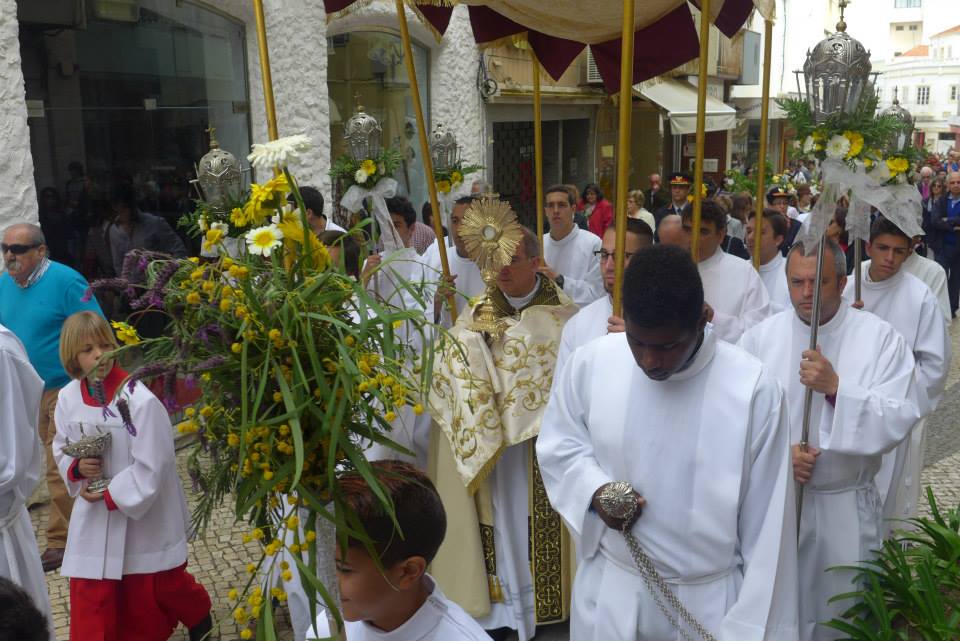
900 204
385 188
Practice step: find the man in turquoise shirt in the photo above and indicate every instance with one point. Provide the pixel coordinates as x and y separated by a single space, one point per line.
36 296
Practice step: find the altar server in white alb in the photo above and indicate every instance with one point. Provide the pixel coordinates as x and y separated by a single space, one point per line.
698 429
464 273
597 319
569 252
932 275
907 303
20 469
734 292
403 279
772 263
862 378
126 552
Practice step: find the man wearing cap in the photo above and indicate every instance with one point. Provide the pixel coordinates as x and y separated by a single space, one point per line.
779 198
680 184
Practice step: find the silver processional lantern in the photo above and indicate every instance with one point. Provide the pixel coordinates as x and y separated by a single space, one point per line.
836 75
905 135
362 134
218 176
444 150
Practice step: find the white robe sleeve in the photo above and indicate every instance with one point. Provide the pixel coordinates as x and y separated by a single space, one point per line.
932 353
766 606
64 462
754 307
135 488
571 473
588 288
19 443
872 417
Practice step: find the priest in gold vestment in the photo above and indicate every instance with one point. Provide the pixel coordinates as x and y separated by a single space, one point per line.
507 558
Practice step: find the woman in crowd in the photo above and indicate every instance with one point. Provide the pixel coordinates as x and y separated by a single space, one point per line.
635 208
597 209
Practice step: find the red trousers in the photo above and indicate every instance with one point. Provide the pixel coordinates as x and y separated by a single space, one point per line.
139 607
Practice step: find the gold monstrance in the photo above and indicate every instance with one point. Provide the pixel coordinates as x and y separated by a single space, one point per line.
491 235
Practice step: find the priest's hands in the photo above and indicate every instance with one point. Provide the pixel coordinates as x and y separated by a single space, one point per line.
90 468
803 462
612 521
370 266
615 325
817 373
548 271
446 288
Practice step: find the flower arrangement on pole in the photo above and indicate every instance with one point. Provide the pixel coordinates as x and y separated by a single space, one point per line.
297 369
367 172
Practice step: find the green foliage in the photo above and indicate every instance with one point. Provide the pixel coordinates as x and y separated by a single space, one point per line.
911 590
345 168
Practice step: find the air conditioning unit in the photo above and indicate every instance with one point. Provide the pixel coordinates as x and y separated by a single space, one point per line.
592 73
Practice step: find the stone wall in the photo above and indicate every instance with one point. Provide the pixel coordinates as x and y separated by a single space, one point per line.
16 161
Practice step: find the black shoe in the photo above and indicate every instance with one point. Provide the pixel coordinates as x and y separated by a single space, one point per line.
201 631
52 559
499 634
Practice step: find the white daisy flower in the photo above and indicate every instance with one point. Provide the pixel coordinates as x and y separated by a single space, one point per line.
838 147
360 177
808 145
262 240
279 152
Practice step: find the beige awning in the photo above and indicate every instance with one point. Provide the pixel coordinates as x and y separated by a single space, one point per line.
679 99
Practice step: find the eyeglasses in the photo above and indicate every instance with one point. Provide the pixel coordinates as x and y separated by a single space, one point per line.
17 250
603 255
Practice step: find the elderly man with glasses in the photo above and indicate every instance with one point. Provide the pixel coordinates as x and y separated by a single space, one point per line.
36 296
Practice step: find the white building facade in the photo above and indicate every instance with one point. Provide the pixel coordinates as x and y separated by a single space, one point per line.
130 87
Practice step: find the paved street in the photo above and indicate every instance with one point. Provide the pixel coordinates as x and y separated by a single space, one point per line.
219 560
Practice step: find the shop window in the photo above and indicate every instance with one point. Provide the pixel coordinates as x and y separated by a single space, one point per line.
131 98
367 67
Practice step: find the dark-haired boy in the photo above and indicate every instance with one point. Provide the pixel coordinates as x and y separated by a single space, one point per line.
399 602
772 263
905 302
20 619
736 297
698 430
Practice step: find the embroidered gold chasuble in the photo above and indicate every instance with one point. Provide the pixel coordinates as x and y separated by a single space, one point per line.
486 396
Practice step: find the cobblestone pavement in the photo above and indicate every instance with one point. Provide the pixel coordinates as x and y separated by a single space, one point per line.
219 560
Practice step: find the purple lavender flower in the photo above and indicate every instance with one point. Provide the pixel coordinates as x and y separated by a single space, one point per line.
210 363
124 409
150 371
126 271
170 390
101 397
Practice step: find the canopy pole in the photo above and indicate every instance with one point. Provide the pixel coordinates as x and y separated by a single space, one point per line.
623 151
814 334
858 270
701 126
764 133
425 150
268 103
537 146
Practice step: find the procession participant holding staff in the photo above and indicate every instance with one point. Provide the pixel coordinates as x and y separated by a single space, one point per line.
862 406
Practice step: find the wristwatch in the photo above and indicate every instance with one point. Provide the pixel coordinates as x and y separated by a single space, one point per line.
559 281
618 500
